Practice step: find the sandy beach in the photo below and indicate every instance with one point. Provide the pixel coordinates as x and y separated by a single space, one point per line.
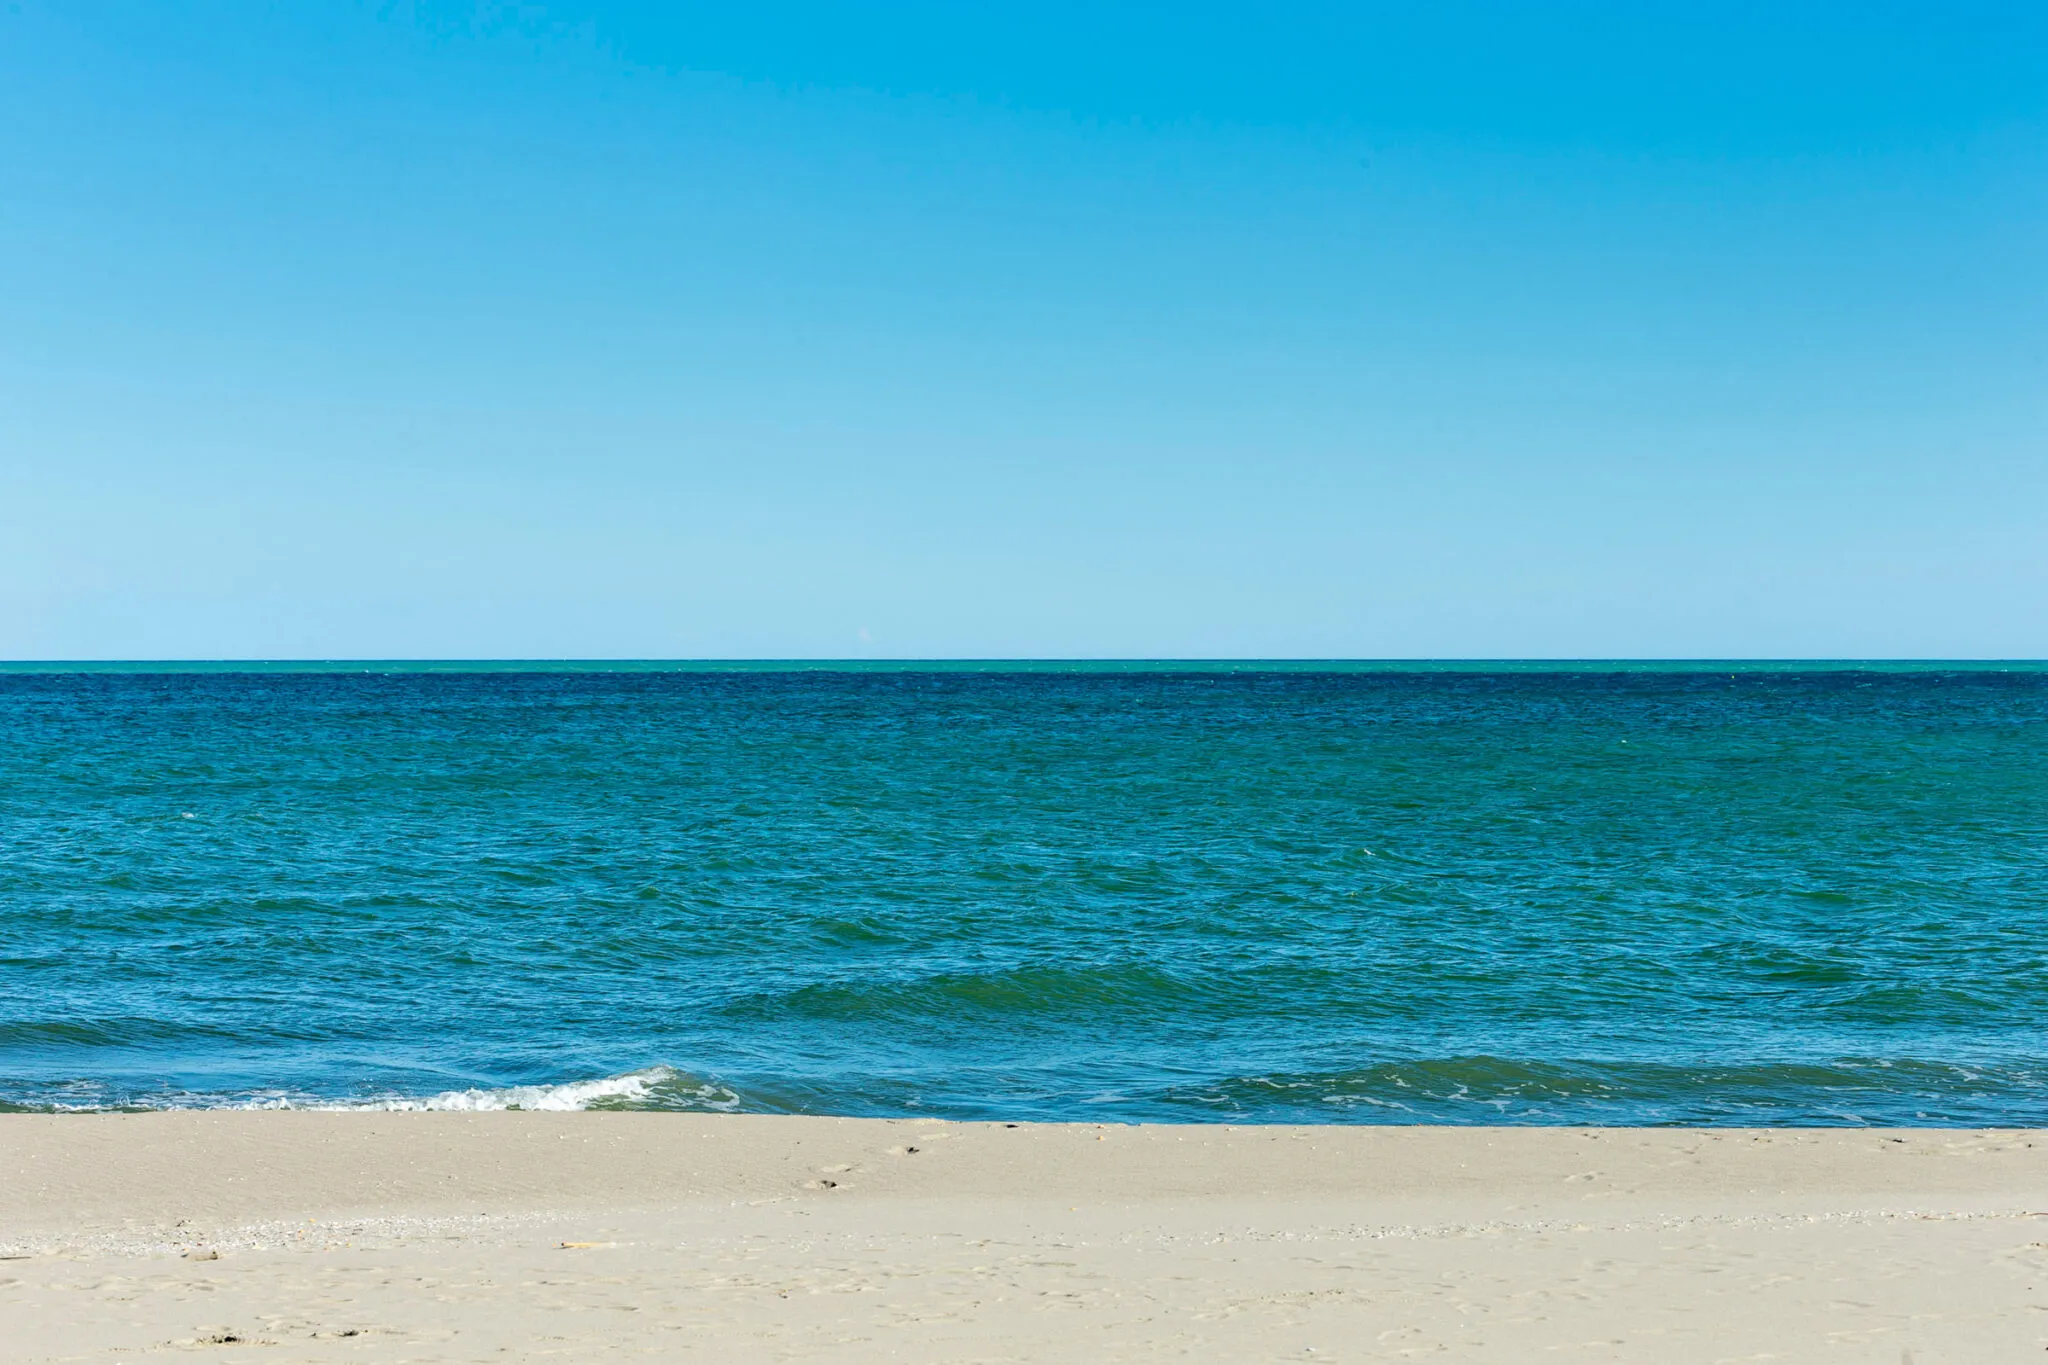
463 1237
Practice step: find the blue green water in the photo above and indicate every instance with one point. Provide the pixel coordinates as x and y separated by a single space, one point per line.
1566 894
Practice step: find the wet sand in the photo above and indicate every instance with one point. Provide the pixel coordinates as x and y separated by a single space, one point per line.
279 1237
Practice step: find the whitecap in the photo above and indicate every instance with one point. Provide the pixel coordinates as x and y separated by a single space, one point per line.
660 1087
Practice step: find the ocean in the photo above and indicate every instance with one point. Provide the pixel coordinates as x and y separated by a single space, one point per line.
1548 894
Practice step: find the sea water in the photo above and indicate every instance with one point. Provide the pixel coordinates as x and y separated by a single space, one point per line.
1305 893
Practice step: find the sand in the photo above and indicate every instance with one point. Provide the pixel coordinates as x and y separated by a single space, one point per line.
275 1237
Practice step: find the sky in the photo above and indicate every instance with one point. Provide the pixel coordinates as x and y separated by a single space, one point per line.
778 330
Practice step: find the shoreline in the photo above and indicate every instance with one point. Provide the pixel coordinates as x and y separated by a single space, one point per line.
450 1236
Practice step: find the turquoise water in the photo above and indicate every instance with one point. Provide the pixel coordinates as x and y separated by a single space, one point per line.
1340 893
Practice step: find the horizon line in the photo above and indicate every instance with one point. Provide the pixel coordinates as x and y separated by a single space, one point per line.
995 663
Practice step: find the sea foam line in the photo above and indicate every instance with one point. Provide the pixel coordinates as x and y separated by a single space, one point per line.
654 1087
663 1085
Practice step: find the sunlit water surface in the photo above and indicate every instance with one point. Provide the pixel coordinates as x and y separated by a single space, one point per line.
1649 896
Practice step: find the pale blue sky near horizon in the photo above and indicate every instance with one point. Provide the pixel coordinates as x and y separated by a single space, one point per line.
588 329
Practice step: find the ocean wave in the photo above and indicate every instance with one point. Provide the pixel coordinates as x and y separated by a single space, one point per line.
1477 1088
651 1088
654 1087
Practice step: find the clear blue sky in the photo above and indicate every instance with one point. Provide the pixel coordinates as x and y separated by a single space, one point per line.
781 329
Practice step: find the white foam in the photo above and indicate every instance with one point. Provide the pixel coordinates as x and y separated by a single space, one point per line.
569 1096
